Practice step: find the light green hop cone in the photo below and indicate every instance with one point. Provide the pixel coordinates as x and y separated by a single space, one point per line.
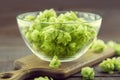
107 66
66 34
88 73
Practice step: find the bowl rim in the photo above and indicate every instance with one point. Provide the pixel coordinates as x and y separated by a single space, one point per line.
18 17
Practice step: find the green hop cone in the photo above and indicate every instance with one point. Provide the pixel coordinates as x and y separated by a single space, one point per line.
72 46
98 46
107 66
55 63
111 44
28 36
29 18
117 49
87 73
116 63
61 34
115 46
35 35
43 78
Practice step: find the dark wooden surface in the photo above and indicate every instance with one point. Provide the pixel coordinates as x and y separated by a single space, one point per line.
12 46
30 65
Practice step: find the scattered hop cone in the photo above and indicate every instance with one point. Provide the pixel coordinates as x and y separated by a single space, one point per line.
117 49
115 46
98 46
116 63
43 78
111 44
107 66
87 73
55 63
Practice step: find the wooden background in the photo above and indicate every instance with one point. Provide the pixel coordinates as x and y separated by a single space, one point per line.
109 10
11 44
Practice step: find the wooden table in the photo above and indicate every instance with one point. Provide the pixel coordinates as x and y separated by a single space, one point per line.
12 46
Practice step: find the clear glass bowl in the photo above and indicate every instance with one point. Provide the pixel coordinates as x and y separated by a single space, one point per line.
94 20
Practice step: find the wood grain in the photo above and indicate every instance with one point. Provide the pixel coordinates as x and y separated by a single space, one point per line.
32 64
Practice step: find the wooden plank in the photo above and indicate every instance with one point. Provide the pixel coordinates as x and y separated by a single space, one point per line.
31 64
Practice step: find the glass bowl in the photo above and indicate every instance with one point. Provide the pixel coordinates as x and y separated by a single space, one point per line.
67 40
